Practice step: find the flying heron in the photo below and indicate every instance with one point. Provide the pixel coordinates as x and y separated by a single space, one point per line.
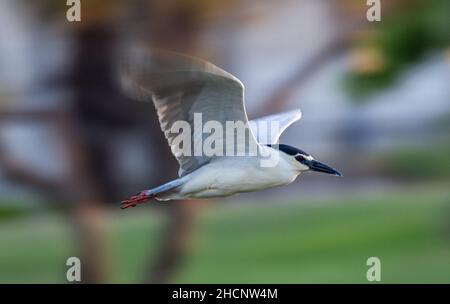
181 88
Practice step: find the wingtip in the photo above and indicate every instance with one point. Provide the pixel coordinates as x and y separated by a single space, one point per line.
297 113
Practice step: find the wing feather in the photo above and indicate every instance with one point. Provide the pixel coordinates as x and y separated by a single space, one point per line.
180 86
268 129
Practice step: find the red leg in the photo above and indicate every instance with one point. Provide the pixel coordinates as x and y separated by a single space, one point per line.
139 198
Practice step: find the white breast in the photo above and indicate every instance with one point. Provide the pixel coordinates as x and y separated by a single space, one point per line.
228 176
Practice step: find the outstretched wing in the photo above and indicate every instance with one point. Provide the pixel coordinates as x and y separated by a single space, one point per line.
180 86
268 129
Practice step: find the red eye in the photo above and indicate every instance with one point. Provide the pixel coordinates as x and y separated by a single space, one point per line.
300 158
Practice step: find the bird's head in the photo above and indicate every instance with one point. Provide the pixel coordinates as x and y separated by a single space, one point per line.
305 162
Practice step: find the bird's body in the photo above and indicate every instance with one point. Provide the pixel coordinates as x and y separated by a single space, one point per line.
181 88
232 175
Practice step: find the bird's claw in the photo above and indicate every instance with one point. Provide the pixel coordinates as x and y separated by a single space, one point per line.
137 199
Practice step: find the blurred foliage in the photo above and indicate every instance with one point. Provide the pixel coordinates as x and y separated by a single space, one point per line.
401 39
321 241
417 163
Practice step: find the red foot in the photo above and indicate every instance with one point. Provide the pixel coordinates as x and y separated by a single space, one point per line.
139 198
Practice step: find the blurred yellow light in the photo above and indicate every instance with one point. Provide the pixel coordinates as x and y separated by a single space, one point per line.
367 60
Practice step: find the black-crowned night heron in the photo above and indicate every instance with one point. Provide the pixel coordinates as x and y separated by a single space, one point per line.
189 94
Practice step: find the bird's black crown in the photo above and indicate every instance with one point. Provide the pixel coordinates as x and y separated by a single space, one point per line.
289 149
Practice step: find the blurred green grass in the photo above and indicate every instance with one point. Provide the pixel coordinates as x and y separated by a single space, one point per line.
315 242
417 164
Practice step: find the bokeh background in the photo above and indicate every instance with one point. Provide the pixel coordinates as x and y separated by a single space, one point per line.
375 98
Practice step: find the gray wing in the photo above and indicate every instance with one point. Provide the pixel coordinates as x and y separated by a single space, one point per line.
180 86
268 129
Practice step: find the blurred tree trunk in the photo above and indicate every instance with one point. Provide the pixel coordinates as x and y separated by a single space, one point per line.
172 26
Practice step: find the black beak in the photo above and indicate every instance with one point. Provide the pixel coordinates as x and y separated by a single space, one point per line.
314 165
